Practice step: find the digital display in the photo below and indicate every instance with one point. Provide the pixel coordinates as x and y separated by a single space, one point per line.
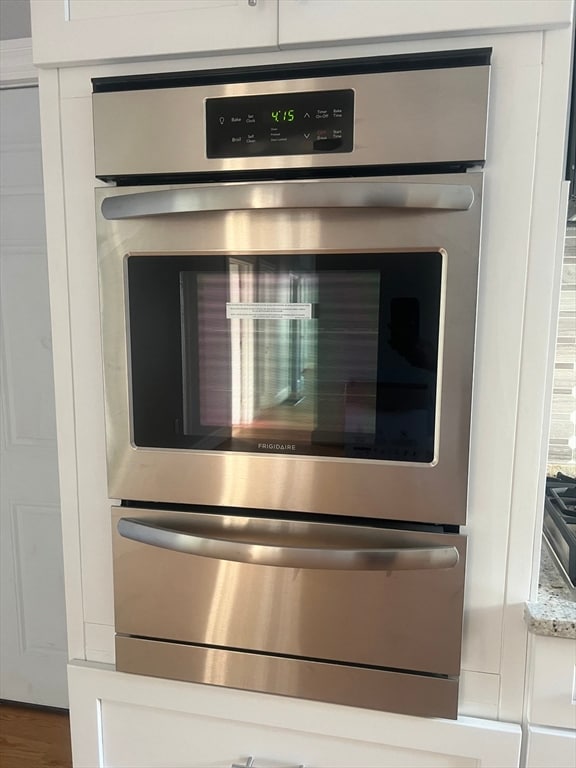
311 122
282 115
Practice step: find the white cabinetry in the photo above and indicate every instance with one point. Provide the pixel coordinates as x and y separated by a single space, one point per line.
552 702
322 22
552 668
128 721
65 32
547 747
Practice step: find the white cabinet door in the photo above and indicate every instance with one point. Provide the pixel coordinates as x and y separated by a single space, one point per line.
128 721
330 21
549 747
552 668
32 615
66 32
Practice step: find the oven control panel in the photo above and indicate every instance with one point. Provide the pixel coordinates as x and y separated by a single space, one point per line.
311 122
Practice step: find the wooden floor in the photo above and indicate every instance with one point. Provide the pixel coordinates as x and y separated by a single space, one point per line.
31 737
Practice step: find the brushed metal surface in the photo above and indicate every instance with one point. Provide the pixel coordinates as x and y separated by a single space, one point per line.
406 619
424 116
306 194
279 549
352 487
407 694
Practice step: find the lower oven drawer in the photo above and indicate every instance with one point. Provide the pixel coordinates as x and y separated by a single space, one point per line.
320 591
356 686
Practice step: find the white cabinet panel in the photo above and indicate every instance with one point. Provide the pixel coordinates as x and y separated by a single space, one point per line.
32 612
130 738
321 21
99 642
553 684
129 721
549 747
102 9
76 31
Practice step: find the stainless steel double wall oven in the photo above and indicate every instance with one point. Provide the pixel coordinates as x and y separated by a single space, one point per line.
288 270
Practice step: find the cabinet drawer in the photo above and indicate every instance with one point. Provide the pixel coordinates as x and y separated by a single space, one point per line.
147 737
129 721
287 610
553 672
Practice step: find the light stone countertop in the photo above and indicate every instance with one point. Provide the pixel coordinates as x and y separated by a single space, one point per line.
554 613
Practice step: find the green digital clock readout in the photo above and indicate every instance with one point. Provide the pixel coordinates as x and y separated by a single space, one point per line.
282 115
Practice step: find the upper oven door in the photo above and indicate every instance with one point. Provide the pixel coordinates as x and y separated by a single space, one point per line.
301 346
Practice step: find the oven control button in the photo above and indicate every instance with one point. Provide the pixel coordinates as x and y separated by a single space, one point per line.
327 145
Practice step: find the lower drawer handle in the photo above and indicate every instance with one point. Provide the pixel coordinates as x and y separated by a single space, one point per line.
379 559
250 764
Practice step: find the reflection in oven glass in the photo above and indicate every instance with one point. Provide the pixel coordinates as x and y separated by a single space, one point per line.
332 355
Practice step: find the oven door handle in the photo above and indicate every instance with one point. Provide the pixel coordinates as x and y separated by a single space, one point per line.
286 556
302 194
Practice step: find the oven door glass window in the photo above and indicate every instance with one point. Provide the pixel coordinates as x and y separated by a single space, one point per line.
315 354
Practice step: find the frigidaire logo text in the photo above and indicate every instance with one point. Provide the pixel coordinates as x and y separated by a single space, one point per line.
277 446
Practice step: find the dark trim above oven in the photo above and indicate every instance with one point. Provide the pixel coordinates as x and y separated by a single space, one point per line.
293 174
473 57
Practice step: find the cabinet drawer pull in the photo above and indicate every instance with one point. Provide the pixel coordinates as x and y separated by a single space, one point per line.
250 764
